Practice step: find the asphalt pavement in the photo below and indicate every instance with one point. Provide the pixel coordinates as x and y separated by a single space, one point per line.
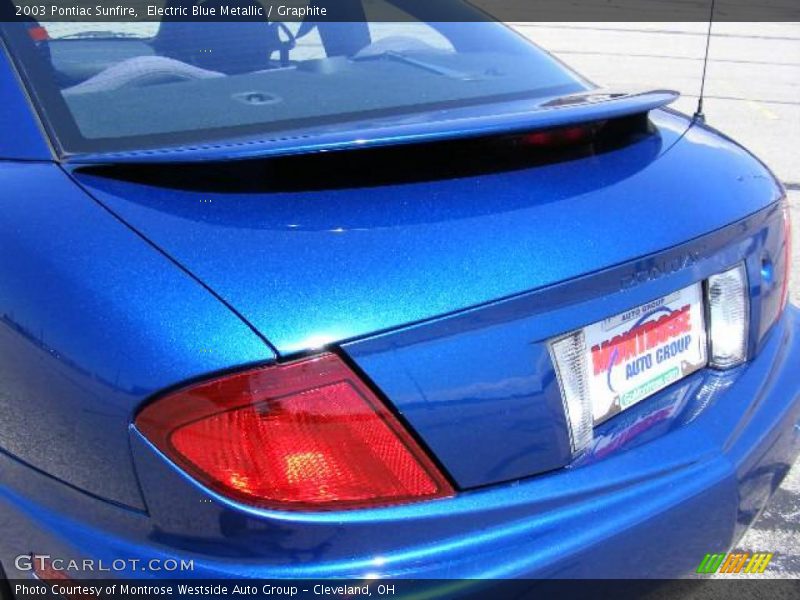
752 94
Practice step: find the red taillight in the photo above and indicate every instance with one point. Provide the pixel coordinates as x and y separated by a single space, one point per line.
564 136
787 254
305 435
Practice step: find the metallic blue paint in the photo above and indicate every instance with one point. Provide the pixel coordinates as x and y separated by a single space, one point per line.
685 481
21 136
442 293
93 321
350 262
500 386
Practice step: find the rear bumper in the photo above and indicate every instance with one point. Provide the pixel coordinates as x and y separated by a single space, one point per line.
684 475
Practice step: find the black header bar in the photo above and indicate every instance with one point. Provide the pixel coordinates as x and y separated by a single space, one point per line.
402 589
398 10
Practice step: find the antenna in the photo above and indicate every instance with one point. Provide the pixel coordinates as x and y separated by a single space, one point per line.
699 115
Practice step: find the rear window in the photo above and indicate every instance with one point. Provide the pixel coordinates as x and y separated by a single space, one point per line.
120 86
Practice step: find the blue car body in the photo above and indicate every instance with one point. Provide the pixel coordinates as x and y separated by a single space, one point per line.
442 293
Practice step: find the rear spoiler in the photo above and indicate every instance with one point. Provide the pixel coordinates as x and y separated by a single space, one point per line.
590 106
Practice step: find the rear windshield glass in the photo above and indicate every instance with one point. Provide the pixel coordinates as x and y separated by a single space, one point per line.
120 86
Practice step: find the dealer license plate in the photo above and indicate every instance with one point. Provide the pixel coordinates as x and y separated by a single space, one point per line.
635 354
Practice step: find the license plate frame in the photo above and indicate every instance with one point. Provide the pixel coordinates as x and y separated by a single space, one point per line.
635 354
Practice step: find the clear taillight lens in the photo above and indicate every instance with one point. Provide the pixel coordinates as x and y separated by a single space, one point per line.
569 357
308 435
728 305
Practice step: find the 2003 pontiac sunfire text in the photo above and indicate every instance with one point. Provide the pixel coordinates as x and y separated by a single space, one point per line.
154 11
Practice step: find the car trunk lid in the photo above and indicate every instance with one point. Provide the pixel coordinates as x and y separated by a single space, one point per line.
349 264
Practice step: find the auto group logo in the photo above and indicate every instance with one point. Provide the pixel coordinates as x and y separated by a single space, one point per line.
735 563
632 348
